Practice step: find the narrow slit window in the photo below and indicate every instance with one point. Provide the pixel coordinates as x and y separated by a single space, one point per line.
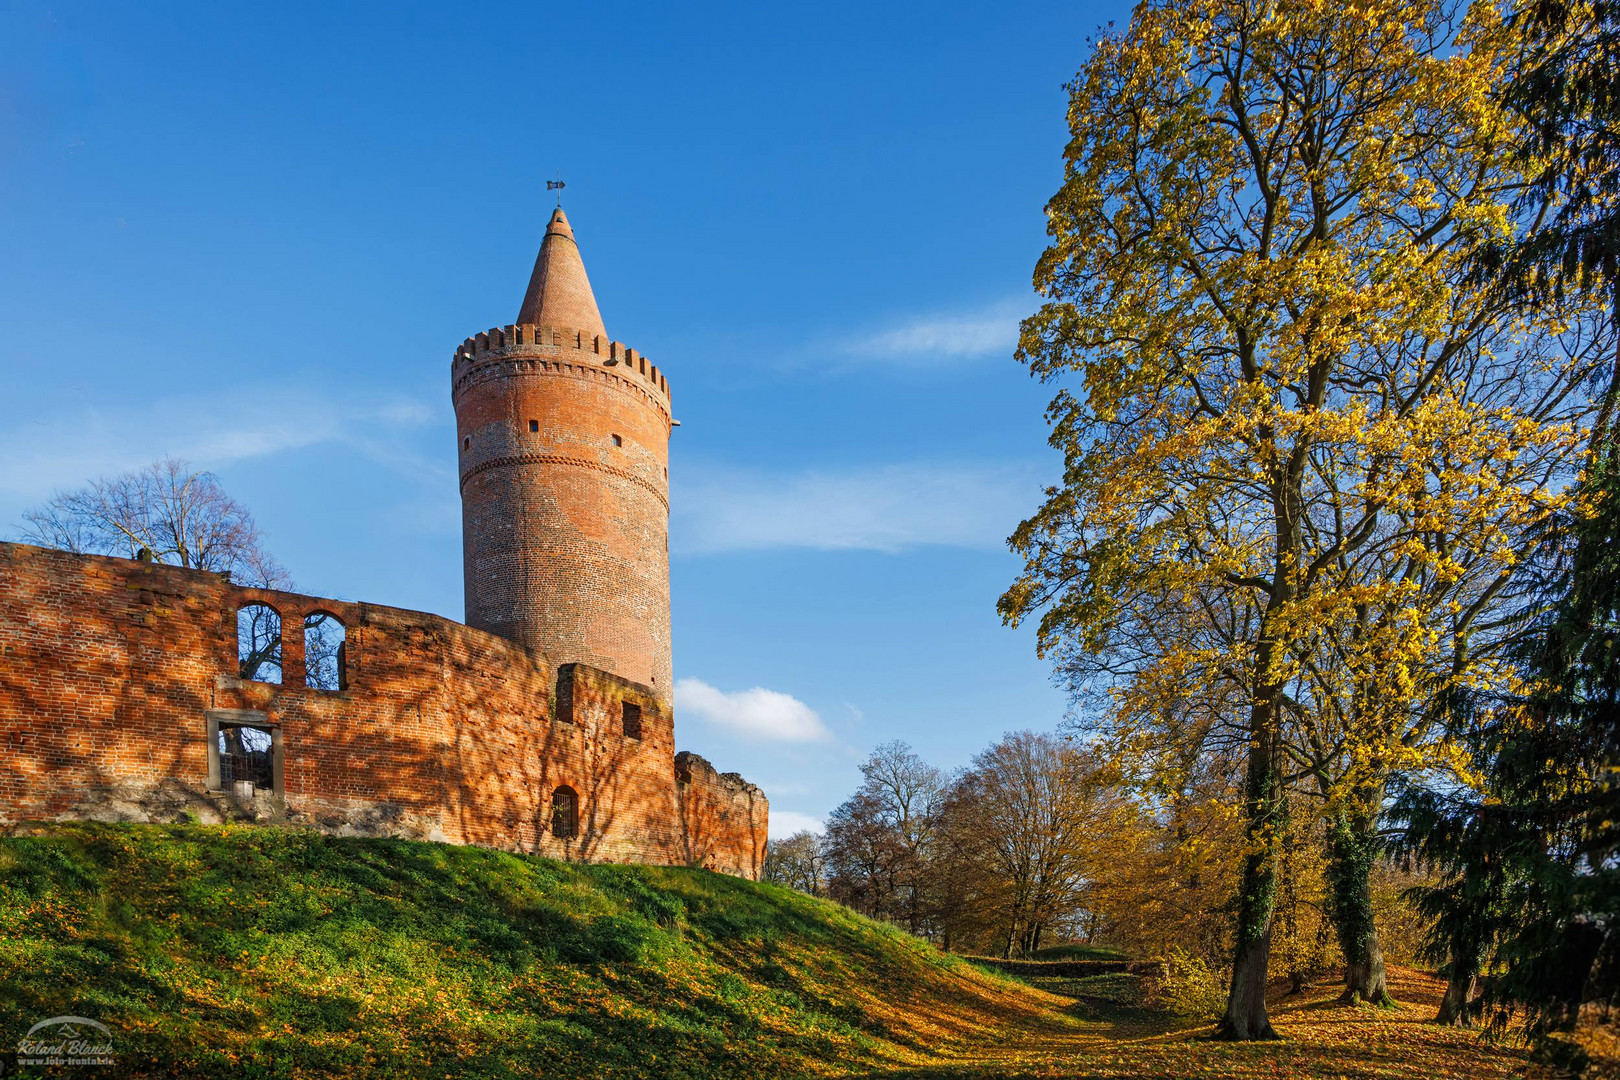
632 720
466 442
564 813
258 643
617 441
534 426
326 652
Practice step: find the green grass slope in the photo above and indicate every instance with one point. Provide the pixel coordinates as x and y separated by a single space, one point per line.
259 951
1077 952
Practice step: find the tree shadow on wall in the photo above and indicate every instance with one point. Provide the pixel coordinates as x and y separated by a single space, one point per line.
114 652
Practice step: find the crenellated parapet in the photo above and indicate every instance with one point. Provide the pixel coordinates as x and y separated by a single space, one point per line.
561 345
562 450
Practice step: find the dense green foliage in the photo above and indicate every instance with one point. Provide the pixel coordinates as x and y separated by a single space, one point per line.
1531 890
1555 775
1567 90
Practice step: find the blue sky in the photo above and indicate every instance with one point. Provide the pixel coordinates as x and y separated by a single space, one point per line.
253 237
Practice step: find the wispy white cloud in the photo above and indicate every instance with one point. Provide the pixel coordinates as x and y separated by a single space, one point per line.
784 823
68 447
888 508
758 713
952 335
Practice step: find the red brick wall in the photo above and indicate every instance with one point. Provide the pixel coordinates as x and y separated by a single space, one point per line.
565 532
109 667
723 818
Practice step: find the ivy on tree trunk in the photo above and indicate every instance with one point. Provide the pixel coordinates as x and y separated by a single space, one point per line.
1352 850
1246 1016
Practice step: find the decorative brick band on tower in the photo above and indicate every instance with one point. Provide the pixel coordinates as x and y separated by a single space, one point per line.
563 439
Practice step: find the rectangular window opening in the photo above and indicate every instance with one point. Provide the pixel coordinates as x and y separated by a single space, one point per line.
534 426
246 753
632 720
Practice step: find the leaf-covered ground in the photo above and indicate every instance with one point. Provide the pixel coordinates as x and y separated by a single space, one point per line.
1320 1039
254 951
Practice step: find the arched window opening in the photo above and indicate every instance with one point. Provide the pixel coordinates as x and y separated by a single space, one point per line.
326 652
245 754
564 813
258 643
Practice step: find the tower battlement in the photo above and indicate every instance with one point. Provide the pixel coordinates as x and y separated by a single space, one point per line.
566 343
563 445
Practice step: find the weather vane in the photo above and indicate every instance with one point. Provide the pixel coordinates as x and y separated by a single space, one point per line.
556 185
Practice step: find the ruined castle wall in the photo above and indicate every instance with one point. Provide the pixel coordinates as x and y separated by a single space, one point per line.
110 670
723 818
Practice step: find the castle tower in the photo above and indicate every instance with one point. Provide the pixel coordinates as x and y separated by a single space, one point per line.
563 439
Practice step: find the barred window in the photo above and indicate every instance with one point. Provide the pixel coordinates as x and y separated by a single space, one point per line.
245 754
564 813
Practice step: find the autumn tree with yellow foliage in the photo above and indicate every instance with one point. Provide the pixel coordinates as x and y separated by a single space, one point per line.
1301 443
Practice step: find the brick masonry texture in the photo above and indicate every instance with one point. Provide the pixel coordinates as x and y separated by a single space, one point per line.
563 440
559 292
113 672
109 668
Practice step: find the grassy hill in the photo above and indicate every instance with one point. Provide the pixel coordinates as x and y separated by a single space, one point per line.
257 951
207 949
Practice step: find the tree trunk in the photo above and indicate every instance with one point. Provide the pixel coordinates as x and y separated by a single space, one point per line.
1352 848
1364 982
1246 1016
1600 994
1456 1008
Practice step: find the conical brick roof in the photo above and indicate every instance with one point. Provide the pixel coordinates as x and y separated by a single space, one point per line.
559 292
